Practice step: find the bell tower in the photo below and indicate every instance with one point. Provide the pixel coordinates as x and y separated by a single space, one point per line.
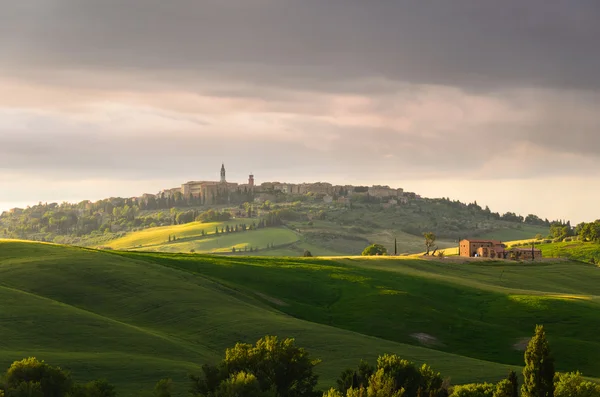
251 180
223 173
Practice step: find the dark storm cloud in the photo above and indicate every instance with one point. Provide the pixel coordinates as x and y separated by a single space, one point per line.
313 43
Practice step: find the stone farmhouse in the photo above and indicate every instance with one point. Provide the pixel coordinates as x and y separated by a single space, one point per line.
482 248
496 249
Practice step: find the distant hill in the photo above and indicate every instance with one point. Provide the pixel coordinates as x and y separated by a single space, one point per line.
134 318
327 228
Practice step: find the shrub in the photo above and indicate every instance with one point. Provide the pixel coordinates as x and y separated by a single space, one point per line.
474 390
374 249
573 385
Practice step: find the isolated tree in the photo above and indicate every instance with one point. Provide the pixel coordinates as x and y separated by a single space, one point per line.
395 247
514 384
163 388
271 365
374 249
538 373
37 375
98 388
429 240
307 253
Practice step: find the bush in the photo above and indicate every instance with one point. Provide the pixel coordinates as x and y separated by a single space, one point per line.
261 367
474 390
307 254
374 249
573 385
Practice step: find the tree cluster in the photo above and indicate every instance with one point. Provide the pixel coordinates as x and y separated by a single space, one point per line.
213 216
589 231
279 368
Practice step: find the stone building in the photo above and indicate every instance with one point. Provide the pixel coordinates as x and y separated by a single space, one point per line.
482 248
210 191
384 191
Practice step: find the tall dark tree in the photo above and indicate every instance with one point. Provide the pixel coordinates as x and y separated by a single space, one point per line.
514 383
538 374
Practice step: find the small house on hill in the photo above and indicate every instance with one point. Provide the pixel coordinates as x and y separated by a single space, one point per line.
482 248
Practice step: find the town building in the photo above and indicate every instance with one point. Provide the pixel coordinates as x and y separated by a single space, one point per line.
384 191
220 191
211 191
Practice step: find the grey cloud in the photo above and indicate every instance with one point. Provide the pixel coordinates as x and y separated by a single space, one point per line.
313 43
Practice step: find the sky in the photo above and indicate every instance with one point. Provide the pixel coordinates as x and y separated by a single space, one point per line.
474 100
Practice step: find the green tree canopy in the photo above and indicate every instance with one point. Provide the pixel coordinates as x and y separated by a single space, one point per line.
573 385
34 375
374 249
392 377
279 366
429 240
538 373
474 390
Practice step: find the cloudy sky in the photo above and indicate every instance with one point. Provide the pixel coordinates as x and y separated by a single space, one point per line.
494 101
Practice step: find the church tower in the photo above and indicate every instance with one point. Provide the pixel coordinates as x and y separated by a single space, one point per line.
251 180
223 173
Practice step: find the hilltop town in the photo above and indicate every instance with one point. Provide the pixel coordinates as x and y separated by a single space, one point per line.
224 192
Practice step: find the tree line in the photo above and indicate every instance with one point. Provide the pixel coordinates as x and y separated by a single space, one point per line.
279 368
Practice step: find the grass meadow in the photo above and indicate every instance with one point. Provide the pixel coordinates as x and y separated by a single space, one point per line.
136 317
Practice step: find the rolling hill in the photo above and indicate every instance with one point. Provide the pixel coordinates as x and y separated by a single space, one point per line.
321 237
134 317
321 227
202 238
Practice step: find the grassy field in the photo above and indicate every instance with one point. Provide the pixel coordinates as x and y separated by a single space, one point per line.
189 237
522 232
133 321
576 250
158 236
342 233
223 243
136 317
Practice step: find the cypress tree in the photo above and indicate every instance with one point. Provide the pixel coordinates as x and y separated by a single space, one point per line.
538 373
514 384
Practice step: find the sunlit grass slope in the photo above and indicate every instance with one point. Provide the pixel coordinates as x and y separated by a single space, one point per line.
189 237
576 250
226 242
480 310
133 321
521 233
160 235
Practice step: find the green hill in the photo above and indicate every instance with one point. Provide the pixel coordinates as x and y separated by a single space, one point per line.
190 237
134 318
575 250
325 228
